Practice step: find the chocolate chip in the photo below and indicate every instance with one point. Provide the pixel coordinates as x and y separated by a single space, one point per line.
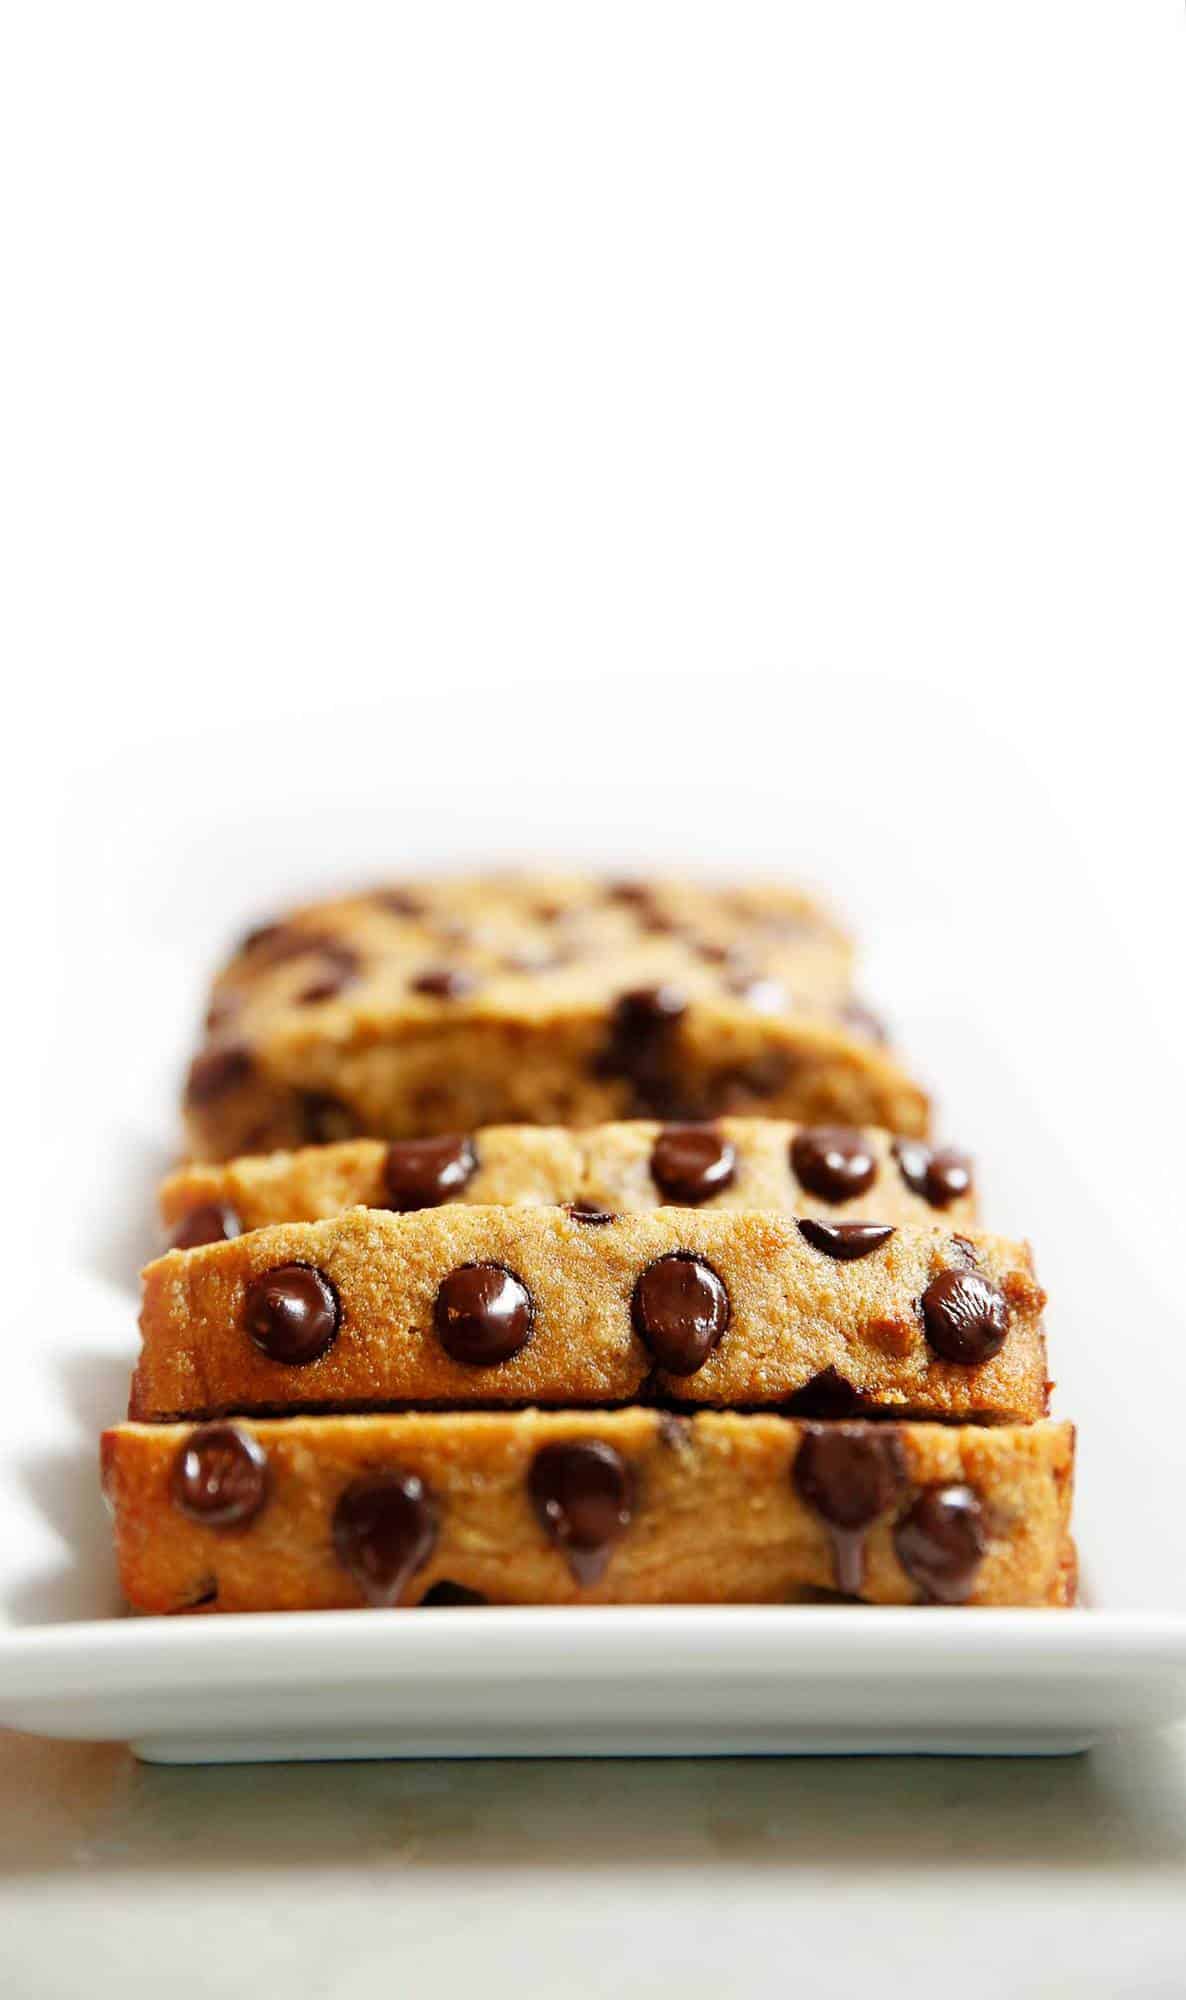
326 988
261 934
965 1317
213 1222
691 1163
325 1119
275 944
422 1173
680 1308
217 1070
629 892
444 982
400 902
582 1492
940 1177
833 1161
845 1241
220 1476
582 1211
483 1314
849 1474
384 1530
640 1045
342 967
446 1592
826 1395
940 1542
292 1313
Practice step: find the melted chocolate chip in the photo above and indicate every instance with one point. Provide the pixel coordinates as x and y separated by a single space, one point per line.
635 893
849 1474
216 1071
444 982
483 1314
220 1476
275 944
446 1592
845 1241
826 1395
292 1313
325 1119
400 902
691 1163
641 1045
966 1318
422 1173
940 1177
384 1530
582 1211
582 1492
833 1162
260 935
342 967
213 1222
940 1542
680 1308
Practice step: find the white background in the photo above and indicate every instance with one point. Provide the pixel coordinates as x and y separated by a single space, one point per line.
744 435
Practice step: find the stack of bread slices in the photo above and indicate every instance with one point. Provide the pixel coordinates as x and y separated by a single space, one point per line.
549 1240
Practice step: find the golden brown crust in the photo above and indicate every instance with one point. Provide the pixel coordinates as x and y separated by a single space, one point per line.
794 1314
320 1030
715 1515
603 1166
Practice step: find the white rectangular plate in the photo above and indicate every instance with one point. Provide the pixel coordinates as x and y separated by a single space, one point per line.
597 1681
654 1682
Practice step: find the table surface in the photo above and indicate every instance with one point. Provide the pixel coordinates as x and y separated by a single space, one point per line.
951 1876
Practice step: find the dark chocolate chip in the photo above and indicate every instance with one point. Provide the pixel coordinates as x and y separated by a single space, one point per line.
949 1176
422 1173
966 1318
583 1494
640 1046
826 1395
833 1161
342 967
691 1163
680 1308
446 1592
940 1542
583 1211
849 1474
483 1314
325 1119
292 1313
213 1222
275 944
216 1071
634 893
940 1177
400 902
845 1241
220 1476
384 1530
444 982
261 934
